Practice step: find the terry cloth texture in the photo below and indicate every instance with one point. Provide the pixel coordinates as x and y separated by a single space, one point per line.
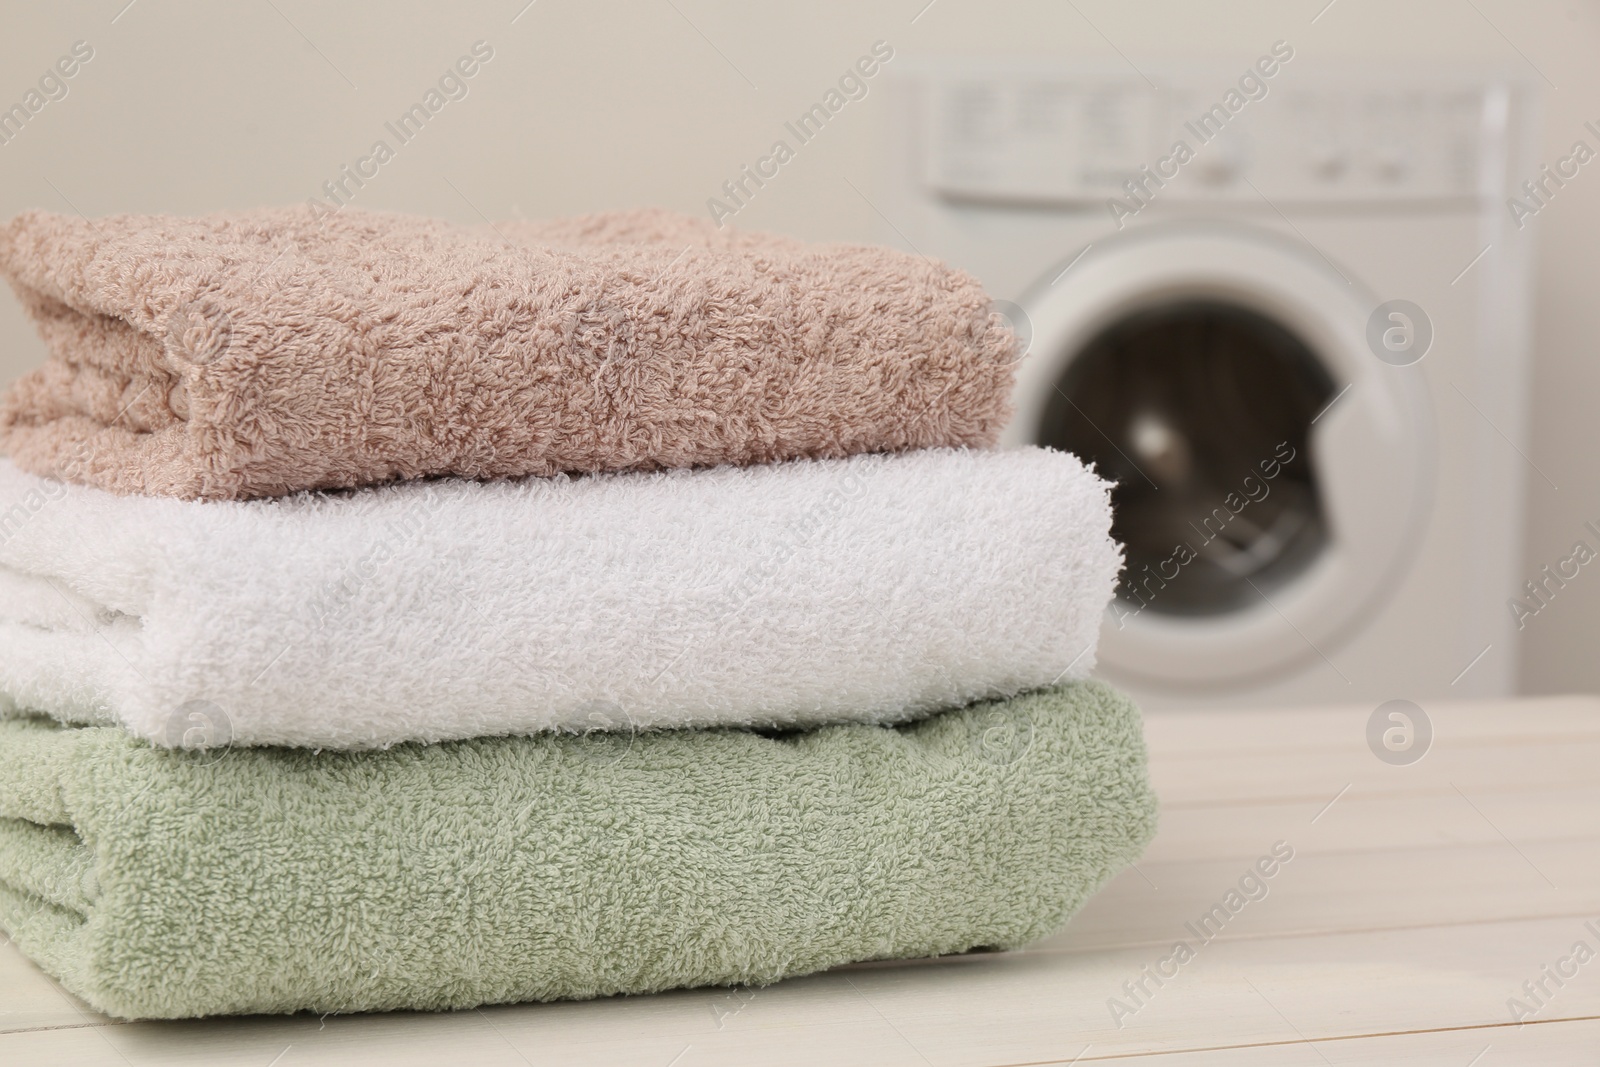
159 883
259 353
877 588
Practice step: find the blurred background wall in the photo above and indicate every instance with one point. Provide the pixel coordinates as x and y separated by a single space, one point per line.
189 107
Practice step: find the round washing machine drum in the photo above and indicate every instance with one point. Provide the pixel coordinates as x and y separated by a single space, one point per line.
1270 470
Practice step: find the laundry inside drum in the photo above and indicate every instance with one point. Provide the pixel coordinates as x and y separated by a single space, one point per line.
1201 411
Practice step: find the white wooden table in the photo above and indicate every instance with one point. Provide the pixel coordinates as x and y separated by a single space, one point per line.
1419 900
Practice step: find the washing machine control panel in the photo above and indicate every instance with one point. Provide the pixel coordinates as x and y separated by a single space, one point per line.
1043 139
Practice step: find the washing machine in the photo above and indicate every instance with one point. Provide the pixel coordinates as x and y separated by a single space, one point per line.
1286 310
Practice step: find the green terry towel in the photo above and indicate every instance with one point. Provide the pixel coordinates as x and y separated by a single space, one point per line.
158 883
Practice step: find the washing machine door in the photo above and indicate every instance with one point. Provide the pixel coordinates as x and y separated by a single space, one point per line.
1270 469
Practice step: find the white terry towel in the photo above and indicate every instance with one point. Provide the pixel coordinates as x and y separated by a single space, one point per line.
877 588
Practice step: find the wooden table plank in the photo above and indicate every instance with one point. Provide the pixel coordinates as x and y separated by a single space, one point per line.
1179 733
976 1011
1474 770
1336 892
30 999
1560 1044
1372 821
1036 1007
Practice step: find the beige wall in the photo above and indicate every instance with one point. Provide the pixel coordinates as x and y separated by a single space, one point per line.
189 106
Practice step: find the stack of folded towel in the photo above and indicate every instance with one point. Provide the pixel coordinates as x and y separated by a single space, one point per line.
403 615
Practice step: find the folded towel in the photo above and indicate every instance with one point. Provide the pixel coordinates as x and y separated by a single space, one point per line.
159 884
259 353
877 588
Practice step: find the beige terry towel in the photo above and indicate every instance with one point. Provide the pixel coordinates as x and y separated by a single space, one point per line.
259 353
